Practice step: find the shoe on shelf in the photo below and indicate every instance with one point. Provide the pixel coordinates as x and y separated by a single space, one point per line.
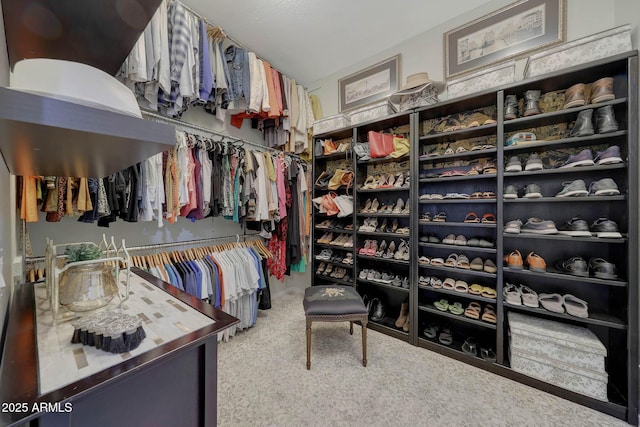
574 96
536 262
399 206
519 137
602 269
539 226
390 251
534 163
512 294
513 226
381 248
510 192
604 187
575 306
575 188
529 296
383 227
605 228
602 90
531 99
583 158
407 208
510 107
576 266
321 267
365 249
575 227
403 316
606 120
514 260
378 310
609 156
532 191
514 164
583 125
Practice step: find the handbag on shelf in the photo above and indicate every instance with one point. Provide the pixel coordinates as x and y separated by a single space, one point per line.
323 179
329 147
380 144
329 204
362 150
318 147
401 146
345 204
340 177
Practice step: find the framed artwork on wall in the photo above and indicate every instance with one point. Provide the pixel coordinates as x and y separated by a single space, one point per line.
369 85
513 31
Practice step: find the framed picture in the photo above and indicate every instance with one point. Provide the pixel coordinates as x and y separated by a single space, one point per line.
515 30
369 85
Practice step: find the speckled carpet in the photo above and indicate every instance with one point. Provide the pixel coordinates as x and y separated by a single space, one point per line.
263 381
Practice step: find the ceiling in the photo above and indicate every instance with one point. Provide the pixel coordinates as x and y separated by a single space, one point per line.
311 39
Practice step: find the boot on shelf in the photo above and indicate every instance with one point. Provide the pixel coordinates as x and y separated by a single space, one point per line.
574 96
510 107
404 315
606 120
602 90
405 327
583 125
531 99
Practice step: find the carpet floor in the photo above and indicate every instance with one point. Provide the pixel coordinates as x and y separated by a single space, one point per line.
263 381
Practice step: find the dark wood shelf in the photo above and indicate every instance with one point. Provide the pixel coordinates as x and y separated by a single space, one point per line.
599 319
379 160
460 134
460 247
464 154
334 280
460 317
387 327
458 294
387 260
555 116
565 238
384 285
456 270
384 190
333 156
577 169
456 224
341 248
568 199
333 230
386 215
457 178
455 201
337 264
576 141
552 273
387 235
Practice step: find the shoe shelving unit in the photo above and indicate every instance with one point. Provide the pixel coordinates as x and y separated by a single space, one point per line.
613 303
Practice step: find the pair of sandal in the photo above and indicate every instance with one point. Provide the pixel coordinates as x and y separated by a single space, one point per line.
483 291
442 332
454 308
473 124
473 312
483 195
455 285
520 295
432 281
440 217
487 218
457 261
470 347
557 303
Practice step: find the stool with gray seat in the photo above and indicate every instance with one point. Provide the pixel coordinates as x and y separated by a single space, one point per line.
335 303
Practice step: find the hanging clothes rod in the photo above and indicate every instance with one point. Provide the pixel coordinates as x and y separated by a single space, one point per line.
235 237
185 126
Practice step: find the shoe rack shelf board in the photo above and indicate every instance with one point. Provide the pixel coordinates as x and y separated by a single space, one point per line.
613 310
384 285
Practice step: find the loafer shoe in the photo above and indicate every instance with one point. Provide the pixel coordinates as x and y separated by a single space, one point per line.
602 269
606 228
576 266
576 227
575 188
539 226
604 187
514 260
536 262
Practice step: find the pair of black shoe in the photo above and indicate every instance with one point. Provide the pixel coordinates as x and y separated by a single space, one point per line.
597 267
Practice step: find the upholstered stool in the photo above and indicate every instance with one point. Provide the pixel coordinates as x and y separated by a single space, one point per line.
335 304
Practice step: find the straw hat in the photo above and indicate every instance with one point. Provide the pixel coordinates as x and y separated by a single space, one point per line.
419 80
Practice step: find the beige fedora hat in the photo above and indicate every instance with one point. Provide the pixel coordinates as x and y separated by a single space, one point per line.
419 80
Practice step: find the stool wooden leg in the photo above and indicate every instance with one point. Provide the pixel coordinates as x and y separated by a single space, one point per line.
364 342
308 344
351 328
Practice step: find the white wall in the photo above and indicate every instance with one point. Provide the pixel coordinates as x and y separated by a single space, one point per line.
425 51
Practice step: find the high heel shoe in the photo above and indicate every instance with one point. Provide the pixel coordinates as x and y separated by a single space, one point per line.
383 226
400 252
328 270
390 250
373 248
382 248
374 206
407 208
369 183
399 206
367 206
365 249
321 267
399 180
394 225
